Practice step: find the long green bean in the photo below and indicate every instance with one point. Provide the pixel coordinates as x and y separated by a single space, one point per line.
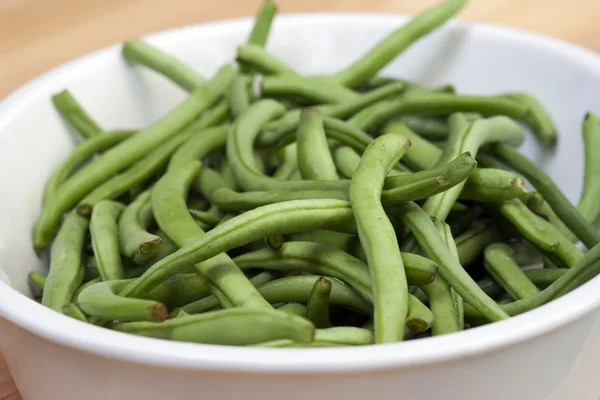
314 158
500 264
317 307
72 111
589 206
104 231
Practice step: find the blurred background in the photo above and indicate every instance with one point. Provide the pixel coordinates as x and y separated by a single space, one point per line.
36 35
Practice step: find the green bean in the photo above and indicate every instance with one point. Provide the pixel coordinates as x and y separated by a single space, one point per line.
431 102
212 117
227 174
346 160
262 24
294 308
314 158
279 128
422 153
73 311
179 290
450 269
135 241
104 231
567 212
83 287
528 224
536 202
124 154
337 240
318 258
288 162
490 184
537 118
386 50
208 181
139 52
337 336
211 302
540 277
37 281
198 146
584 269
314 90
66 271
589 206
377 236
280 218
81 154
446 234
430 127
101 301
471 244
443 307
274 242
71 110
198 202
221 275
466 136
235 326
420 318
500 264
204 219
294 289
317 308
237 95
261 60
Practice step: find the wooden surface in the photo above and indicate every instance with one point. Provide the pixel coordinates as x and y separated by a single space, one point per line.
36 35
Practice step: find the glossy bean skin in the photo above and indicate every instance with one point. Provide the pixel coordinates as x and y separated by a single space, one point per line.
234 327
135 241
500 264
378 238
125 154
567 212
73 112
317 307
104 231
66 271
386 50
220 274
138 52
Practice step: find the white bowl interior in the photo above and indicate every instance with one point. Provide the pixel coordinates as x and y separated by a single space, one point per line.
477 59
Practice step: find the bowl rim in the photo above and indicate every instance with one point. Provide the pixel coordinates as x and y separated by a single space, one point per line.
57 328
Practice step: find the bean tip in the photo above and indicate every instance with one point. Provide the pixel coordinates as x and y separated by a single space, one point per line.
324 281
150 247
85 210
440 180
517 182
417 325
434 273
588 115
158 312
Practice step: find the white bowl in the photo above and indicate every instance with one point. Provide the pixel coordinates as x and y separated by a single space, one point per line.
550 353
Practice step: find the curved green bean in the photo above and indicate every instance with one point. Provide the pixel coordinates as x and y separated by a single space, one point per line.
71 110
234 327
104 231
135 241
66 271
391 46
537 118
125 154
288 162
314 90
221 275
566 211
490 184
450 269
378 238
138 52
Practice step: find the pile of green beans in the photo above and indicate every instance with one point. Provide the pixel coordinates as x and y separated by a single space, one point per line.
275 209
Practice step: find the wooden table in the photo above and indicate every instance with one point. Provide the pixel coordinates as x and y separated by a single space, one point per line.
36 35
